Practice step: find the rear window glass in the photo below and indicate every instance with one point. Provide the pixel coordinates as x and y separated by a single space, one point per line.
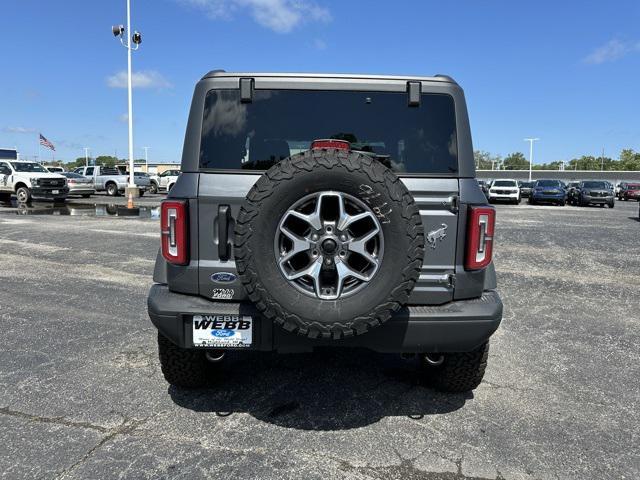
504 183
280 123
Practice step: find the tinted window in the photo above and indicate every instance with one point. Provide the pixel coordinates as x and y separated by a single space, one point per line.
280 123
71 175
504 183
110 171
548 183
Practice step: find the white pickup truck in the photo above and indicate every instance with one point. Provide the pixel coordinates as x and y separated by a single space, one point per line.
30 179
111 181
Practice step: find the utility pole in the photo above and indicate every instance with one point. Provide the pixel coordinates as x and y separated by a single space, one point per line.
531 140
602 161
146 159
136 39
86 156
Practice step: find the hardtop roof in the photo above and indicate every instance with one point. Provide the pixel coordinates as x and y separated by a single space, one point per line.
353 76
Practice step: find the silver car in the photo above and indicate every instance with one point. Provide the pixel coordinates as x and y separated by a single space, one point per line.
79 184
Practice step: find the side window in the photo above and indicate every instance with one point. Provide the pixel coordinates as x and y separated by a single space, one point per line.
4 169
89 171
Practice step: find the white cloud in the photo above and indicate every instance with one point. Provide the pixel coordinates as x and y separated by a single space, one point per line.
19 130
611 51
139 79
281 16
320 44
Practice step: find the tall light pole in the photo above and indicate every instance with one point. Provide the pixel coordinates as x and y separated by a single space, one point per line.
531 140
136 39
146 158
86 156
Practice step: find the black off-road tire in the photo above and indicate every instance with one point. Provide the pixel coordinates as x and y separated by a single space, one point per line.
182 367
328 170
153 188
460 372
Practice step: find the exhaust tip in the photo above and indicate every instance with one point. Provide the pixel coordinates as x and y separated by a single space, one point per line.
214 355
433 360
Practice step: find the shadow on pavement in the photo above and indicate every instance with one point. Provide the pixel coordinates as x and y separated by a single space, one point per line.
332 389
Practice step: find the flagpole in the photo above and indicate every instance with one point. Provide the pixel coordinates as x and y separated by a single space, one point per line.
39 148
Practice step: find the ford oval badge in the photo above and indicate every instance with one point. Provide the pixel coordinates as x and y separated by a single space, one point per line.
223 277
222 333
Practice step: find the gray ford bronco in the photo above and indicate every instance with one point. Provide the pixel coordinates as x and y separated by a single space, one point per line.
326 210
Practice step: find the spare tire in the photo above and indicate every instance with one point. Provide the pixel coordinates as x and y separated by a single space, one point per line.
329 243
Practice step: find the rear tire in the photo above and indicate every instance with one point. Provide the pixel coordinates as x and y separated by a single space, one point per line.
182 367
460 372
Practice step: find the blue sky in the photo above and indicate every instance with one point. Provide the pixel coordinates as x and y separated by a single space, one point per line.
567 72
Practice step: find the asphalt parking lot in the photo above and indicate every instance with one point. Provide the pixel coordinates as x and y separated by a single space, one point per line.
82 395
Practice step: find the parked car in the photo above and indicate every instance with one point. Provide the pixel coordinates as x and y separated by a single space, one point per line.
30 180
504 191
326 249
572 198
484 186
548 191
594 192
163 181
629 191
525 188
79 185
111 181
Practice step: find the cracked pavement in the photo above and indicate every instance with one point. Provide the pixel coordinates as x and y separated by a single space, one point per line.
82 396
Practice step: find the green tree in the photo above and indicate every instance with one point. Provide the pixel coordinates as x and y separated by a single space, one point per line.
629 160
106 160
516 161
486 161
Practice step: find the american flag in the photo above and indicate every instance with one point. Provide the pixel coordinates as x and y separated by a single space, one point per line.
46 143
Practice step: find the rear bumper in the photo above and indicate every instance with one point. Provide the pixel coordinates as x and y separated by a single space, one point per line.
454 327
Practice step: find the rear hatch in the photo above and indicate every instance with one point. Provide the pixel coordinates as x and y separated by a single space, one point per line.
242 138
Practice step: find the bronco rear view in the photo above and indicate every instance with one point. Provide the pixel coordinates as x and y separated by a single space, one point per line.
326 210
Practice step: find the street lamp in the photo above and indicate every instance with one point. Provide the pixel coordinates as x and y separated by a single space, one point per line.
146 158
531 140
86 156
136 39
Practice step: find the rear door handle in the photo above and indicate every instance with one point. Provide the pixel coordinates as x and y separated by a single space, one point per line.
224 217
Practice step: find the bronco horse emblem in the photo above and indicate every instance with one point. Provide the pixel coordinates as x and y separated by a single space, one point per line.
435 235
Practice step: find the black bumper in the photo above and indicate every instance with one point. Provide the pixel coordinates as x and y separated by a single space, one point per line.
47 192
454 327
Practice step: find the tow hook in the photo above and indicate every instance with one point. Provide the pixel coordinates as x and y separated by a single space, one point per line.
433 360
214 355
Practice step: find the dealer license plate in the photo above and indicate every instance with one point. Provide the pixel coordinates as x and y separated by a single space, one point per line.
222 331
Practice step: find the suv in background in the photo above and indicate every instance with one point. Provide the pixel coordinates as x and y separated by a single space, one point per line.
504 190
359 224
594 192
548 191
164 181
629 191
525 188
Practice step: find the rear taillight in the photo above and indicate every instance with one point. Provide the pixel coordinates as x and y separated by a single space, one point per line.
480 224
173 227
331 143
